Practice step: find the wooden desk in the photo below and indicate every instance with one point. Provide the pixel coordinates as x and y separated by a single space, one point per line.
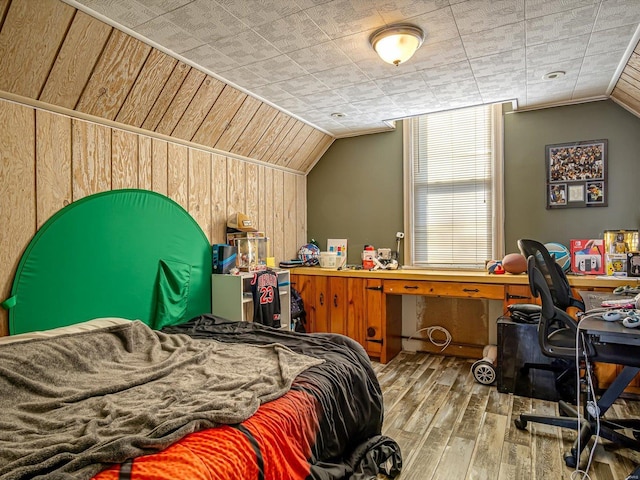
367 306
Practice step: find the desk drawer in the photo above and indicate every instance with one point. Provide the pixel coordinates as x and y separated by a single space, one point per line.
444 289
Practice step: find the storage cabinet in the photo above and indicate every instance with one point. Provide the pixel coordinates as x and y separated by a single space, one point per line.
355 307
337 295
231 297
325 300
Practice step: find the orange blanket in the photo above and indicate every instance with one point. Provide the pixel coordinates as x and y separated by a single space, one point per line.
274 444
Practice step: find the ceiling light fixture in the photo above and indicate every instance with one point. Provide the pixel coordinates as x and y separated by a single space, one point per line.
397 43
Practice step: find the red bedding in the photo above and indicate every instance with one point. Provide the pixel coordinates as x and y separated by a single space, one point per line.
328 426
283 429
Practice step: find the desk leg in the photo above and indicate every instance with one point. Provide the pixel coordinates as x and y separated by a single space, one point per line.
616 388
393 327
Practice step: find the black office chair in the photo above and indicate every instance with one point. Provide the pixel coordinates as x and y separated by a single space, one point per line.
557 335
558 284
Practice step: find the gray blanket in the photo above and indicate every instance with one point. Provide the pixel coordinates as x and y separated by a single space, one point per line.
72 405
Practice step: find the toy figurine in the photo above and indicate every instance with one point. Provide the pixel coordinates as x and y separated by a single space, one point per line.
620 245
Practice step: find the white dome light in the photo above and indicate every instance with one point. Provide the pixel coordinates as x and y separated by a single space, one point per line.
397 43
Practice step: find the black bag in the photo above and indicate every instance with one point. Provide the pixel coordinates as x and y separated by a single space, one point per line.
298 315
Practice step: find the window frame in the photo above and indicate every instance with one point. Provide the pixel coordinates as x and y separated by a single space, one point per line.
497 182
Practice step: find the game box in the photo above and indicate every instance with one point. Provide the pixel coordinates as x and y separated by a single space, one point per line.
587 256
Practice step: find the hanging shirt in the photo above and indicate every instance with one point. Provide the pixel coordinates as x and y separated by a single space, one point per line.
266 298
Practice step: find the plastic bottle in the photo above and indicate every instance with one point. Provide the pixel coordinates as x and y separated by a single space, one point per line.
367 257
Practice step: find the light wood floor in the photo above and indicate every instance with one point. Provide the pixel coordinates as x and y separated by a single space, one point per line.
450 427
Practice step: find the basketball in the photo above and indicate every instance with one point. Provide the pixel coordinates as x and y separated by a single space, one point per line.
560 253
514 263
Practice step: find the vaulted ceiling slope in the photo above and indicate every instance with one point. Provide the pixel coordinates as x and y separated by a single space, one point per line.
627 90
53 53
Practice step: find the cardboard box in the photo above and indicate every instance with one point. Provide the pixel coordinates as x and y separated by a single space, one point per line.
620 241
633 264
616 264
587 256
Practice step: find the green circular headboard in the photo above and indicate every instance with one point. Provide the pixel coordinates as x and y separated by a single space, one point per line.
124 253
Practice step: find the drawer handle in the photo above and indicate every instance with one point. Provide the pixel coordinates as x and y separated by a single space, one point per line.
335 301
378 288
410 287
375 341
518 297
470 290
322 299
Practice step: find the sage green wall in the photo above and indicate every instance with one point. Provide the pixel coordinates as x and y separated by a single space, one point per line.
355 190
526 135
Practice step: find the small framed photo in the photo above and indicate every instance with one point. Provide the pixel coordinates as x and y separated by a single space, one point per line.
577 174
558 194
595 192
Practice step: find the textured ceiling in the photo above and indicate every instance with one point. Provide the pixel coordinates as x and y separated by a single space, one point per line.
311 58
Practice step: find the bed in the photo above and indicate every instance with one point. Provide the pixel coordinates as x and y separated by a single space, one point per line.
160 388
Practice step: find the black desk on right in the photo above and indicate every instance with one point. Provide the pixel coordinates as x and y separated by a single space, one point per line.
607 342
609 338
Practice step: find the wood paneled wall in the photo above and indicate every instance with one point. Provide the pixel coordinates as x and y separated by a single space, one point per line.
61 68
54 53
48 160
627 90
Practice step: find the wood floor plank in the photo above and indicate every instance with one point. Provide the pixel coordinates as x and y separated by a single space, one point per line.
498 403
515 461
422 417
474 413
421 465
485 462
546 445
514 435
455 459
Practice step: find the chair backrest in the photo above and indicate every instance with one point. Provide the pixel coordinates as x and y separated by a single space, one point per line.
552 318
552 273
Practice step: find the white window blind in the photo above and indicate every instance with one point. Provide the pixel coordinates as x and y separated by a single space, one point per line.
453 207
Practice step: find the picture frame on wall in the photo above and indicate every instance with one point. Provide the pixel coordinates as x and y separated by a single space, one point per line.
577 174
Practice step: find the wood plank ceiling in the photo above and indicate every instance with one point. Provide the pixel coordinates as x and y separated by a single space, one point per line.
54 53
627 90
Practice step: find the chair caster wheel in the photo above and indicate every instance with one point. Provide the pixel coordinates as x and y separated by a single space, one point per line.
570 460
520 424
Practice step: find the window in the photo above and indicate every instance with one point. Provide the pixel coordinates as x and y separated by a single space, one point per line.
453 188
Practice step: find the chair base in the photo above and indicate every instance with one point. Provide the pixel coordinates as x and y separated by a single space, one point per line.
610 429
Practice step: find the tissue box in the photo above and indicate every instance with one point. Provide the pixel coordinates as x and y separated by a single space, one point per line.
587 256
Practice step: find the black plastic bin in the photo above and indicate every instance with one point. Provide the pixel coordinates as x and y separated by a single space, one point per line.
518 348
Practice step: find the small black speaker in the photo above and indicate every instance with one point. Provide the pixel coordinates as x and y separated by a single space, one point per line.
224 257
